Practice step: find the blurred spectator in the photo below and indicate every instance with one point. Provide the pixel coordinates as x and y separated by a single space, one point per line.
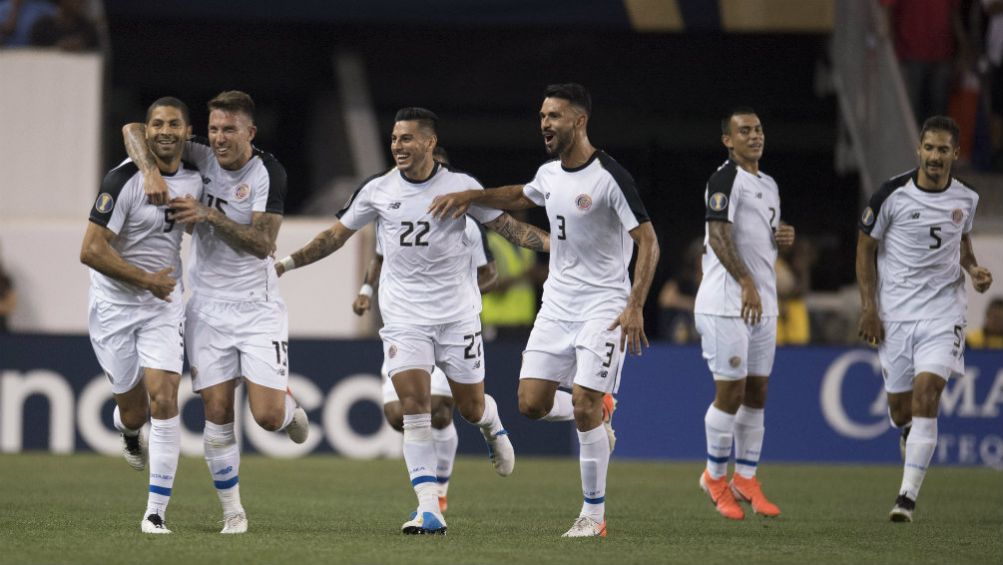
18 17
927 35
994 56
793 283
509 310
675 300
69 29
990 335
8 298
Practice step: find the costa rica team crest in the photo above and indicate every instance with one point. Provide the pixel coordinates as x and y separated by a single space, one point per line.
104 203
583 202
392 352
957 215
241 192
717 201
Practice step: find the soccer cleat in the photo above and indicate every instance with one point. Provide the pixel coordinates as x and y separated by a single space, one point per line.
586 527
427 524
299 428
153 524
134 450
721 496
234 524
500 452
903 509
443 504
749 490
608 407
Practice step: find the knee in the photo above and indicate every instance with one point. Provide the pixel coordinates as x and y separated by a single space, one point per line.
163 405
271 421
586 410
755 396
134 418
730 399
218 411
472 411
533 408
394 415
442 415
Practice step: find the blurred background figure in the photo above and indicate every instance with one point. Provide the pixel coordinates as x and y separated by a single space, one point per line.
18 17
993 62
70 28
509 310
8 297
675 300
990 335
793 284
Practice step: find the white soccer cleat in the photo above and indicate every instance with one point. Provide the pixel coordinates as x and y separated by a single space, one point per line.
608 407
134 450
427 523
153 524
903 509
586 527
299 428
501 452
234 524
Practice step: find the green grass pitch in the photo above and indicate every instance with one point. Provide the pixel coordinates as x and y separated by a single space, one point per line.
325 509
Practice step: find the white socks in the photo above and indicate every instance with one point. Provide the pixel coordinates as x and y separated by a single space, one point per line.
165 447
490 424
749 430
919 449
116 418
419 456
562 410
720 427
222 454
444 442
594 460
290 408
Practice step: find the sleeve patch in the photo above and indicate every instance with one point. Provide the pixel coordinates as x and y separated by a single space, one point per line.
717 201
104 203
867 218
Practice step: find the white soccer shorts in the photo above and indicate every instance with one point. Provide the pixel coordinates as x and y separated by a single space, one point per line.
923 346
734 349
582 353
230 340
440 385
456 348
127 338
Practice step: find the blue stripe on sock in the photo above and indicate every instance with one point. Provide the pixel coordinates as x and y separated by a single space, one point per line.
229 483
166 491
717 459
422 479
746 462
441 480
599 500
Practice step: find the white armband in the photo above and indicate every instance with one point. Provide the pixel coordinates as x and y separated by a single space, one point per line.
287 263
366 290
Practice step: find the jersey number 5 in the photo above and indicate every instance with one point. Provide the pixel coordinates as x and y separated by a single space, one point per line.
935 234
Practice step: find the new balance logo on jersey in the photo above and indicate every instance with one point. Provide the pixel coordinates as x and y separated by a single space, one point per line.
759 195
546 196
395 205
206 180
915 215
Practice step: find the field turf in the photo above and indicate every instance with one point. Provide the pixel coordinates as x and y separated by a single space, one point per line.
323 509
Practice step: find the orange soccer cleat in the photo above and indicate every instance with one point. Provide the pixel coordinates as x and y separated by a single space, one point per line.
749 490
721 496
608 407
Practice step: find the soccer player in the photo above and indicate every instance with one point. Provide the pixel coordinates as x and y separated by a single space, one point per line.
444 439
428 297
736 312
912 248
237 326
590 310
136 312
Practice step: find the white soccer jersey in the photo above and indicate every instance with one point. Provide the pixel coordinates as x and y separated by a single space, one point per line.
591 209
480 254
752 204
217 270
147 235
919 254
426 277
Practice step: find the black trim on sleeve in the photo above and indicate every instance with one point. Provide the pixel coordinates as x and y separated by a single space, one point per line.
185 164
484 241
276 203
719 192
111 187
870 214
356 194
200 140
625 181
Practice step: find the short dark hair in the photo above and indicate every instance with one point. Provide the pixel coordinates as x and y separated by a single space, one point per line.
425 118
172 102
736 111
440 155
942 123
573 92
233 101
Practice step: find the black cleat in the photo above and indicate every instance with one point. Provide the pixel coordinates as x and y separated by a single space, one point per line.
903 509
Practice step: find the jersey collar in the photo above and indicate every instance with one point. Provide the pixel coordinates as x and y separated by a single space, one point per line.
435 169
595 155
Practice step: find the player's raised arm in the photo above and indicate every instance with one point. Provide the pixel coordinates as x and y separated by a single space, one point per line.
520 233
256 238
723 244
982 278
508 197
97 253
631 320
136 145
364 301
324 244
869 329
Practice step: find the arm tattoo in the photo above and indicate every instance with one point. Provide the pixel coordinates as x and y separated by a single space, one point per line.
256 238
323 245
519 233
137 148
724 248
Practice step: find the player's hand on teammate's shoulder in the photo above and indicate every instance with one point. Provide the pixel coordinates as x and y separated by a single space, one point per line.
161 284
361 304
631 322
458 202
982 278
870 329
188 210
784 235
155 188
